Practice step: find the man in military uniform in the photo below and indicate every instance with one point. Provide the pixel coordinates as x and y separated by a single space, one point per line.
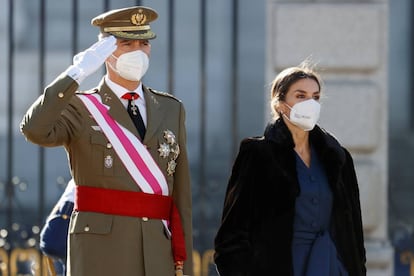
126 145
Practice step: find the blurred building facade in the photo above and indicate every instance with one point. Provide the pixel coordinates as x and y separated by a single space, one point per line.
219 57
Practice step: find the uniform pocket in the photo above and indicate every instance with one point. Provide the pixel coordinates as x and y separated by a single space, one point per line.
106 161
98 145
90 223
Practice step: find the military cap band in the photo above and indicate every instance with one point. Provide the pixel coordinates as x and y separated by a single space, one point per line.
126 28
134 36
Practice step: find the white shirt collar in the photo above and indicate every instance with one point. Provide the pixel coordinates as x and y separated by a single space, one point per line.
120 90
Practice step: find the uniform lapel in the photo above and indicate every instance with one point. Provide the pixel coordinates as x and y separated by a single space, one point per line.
154 114
116 108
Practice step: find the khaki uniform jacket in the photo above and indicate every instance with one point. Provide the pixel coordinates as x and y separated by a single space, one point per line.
101 244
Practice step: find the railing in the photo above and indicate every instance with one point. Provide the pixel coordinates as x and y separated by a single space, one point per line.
33 260
19 261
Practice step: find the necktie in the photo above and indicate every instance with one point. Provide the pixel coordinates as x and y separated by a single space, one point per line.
134 112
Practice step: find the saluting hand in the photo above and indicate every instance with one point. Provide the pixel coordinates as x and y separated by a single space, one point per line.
87 62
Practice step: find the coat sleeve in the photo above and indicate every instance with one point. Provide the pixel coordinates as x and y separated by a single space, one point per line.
233 250
51 120
355 206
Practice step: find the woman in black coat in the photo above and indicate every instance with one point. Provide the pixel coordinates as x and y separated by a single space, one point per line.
292 202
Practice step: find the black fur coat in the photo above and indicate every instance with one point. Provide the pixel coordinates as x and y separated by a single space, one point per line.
257 223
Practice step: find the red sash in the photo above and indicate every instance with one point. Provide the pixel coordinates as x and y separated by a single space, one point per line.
134 204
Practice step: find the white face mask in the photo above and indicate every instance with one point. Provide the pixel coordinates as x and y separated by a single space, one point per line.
305 114
132 65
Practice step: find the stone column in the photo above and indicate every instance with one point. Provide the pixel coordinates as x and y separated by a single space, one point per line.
348 40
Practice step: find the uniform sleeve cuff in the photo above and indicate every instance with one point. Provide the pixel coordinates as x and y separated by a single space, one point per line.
75 73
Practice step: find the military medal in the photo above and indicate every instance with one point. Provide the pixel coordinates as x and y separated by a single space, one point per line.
170 147
108 162
171 167
164 150
176 151
134 108
169 136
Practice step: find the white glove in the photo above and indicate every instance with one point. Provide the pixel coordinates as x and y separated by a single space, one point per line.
87 62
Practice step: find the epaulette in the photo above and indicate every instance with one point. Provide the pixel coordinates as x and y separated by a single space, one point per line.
88 92
165 94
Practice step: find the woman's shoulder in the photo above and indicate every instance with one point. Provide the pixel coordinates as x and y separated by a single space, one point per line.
253 143
255 148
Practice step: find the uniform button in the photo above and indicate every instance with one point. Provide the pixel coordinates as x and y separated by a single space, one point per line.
109 146
145 219
61 95
86 229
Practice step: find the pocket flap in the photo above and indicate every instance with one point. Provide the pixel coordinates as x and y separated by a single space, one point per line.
99 140
90 223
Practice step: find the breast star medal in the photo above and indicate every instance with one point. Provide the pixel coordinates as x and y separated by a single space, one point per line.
170 149
164 150
169 136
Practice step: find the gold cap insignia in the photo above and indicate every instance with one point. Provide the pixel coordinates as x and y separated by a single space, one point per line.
139 18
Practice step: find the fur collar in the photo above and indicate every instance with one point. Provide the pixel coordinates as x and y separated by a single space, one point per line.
328 148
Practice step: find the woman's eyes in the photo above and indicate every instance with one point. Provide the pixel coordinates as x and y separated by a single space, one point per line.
301 96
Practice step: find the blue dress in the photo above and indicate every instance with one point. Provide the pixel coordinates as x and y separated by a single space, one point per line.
313 251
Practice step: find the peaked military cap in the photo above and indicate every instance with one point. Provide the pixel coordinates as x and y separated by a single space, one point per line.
128 23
